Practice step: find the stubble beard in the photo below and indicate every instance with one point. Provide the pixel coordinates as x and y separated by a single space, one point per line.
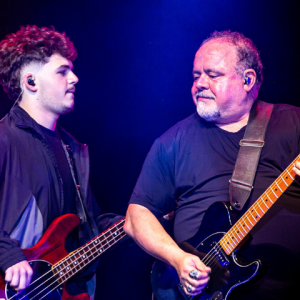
66 109
207 112
51 103
56 108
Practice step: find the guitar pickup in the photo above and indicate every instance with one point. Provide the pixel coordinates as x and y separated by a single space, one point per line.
220 256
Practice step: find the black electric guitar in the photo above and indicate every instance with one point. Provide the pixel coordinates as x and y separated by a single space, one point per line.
52 265
217 243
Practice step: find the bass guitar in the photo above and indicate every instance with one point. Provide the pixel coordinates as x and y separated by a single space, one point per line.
52 265
217 244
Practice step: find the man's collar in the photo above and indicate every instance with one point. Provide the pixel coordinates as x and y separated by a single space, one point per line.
22 119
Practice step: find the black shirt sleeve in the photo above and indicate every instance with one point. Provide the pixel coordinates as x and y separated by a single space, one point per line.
155 188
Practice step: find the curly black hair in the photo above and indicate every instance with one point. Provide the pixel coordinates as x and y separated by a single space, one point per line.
248 55
30 44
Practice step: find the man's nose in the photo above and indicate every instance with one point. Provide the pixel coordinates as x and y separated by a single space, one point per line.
73 78
202 82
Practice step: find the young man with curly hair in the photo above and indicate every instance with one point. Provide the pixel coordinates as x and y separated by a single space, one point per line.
44 171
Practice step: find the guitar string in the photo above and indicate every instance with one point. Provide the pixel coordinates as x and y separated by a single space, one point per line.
68 278
83 248
248 214
119 226
59 284
68 257
209 257
82 266
268 192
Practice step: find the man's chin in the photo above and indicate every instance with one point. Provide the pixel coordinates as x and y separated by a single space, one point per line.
208 113
67 109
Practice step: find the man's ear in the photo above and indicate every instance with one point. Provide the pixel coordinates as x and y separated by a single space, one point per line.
29 82
249 79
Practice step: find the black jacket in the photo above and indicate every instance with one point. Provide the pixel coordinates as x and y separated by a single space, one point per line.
31 194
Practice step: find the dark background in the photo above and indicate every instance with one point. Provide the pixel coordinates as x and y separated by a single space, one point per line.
135 69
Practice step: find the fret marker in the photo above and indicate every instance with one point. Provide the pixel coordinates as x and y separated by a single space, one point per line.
100 250
75 262
290 175
83 256
283 180
279 187
273 193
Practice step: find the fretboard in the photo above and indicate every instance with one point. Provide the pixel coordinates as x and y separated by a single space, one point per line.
81 257
250 218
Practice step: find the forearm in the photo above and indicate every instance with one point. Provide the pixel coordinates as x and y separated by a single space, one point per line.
146 230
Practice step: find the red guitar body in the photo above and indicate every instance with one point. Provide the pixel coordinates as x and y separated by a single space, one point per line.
51 248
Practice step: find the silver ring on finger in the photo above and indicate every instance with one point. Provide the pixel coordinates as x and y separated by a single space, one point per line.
189 288
194 274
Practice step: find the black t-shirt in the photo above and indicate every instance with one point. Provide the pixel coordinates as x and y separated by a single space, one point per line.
54 141
191 164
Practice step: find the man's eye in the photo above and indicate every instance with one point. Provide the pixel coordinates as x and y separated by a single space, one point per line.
214 75
196 78
63 72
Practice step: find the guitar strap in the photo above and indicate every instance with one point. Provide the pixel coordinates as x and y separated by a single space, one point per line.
241 183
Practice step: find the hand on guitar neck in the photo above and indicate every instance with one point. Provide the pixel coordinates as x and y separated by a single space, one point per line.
296 168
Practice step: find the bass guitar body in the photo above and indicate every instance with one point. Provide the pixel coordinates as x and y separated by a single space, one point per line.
228 271
48 251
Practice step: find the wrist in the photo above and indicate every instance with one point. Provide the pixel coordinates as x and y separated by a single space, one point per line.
176 258
11 257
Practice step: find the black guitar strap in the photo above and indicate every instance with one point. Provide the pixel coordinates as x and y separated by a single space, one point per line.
241 183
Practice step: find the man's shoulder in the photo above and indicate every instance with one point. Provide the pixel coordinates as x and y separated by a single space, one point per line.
281 107
285 114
